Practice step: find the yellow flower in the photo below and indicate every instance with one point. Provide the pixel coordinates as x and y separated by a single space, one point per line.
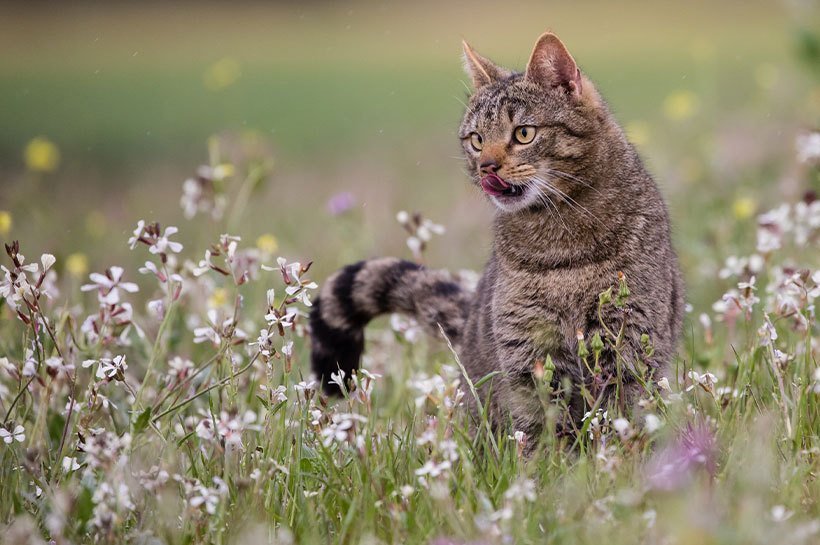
267 243
744 208
5 222
221 74
680 105
218 299
76 265
41 155
638 132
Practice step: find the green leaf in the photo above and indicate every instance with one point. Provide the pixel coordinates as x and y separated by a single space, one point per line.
142 421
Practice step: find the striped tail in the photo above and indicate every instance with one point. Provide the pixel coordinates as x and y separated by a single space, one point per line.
356 294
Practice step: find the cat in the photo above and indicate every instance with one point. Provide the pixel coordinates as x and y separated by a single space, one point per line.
574 211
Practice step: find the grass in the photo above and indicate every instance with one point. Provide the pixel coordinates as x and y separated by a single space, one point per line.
172 455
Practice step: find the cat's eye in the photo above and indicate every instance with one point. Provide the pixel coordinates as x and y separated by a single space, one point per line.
524 134
476 141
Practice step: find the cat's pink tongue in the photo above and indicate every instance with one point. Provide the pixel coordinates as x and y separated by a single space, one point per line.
493 185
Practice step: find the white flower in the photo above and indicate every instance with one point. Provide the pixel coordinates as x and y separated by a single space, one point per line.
70 464
109 368
48 261
652 423
706 380
161 245
433 469
339 379
521 489
808 147
622 427
18 434
132 242
767 332
816 378
772 226
108 285
780 513
663 384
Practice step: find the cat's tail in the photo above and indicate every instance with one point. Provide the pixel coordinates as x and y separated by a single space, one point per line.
357 293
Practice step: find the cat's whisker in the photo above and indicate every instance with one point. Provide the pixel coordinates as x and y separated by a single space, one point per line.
569 200
571 177
547 202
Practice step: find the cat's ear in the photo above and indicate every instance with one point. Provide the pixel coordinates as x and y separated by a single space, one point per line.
551 65
481 70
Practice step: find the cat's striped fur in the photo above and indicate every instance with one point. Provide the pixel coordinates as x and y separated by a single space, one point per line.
583 210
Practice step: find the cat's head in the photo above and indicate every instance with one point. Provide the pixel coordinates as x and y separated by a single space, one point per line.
527 137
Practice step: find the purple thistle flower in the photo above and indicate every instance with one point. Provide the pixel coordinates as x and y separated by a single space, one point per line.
340 203
692 450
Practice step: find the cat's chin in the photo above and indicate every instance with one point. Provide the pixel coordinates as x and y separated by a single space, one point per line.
517 203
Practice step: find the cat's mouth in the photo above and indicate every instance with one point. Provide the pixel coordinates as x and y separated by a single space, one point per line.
495 186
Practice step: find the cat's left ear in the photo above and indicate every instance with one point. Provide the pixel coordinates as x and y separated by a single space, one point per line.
551 65
481 70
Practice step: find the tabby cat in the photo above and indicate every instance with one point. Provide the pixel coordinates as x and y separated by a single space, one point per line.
574 209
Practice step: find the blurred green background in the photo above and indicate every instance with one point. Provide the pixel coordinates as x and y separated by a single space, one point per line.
365 97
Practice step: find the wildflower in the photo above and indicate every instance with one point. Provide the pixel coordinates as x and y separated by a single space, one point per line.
780 513
161 244
156 307
277 395
217 329
816 379
5 222
70 464
109 368
663 384
230 427
521 490
340 203
55 365
598 423
420 231
76 264
652 423
407 327
279 320
267 243
179 368
205 429
808 147
744 207
767 332
222 74
806 219
772 226
705 381
17 434
153 479
694 448
638 132
339 379
109 284
622 427
203 193
433 469
341 428
41 155
680 105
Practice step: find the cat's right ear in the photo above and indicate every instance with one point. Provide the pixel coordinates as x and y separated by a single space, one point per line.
481 70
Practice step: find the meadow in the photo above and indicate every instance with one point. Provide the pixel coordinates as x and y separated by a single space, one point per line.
180 178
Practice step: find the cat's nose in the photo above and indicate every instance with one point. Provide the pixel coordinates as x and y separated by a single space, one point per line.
489 167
